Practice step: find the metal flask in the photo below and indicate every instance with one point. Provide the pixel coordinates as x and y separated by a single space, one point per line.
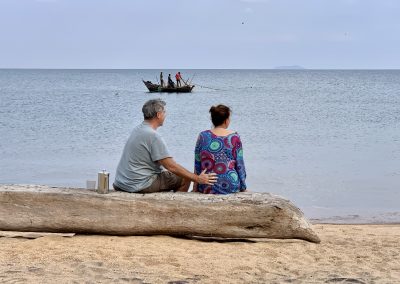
103 182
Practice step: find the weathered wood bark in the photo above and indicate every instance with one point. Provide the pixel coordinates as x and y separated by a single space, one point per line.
66 210
32 235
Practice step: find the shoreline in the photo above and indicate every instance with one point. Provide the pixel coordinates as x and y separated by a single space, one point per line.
350 220
346 254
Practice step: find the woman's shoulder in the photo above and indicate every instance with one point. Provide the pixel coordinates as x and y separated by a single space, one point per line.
235 133
235 140
205 133
230 132
226 134
204 136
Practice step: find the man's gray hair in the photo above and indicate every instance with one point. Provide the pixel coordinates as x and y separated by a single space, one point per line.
151 107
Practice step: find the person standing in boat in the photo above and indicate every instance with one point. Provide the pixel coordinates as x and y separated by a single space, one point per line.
161 79
178 78
219 150
171 83
146 165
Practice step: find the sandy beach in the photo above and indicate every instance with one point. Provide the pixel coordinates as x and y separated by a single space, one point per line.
347 254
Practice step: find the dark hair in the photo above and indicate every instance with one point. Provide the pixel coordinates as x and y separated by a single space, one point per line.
219 114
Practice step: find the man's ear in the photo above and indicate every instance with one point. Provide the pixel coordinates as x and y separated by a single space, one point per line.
158 114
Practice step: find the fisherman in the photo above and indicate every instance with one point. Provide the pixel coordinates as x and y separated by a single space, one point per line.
171 83
161 79
178 78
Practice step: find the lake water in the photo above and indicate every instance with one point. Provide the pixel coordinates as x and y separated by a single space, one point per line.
327 140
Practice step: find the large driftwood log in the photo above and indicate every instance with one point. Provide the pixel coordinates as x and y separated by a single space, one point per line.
32 235
66 210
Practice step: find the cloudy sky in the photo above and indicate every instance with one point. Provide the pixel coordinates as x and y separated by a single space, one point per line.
321 34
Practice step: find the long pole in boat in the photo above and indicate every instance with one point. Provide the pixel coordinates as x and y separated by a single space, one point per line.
192 79
186 82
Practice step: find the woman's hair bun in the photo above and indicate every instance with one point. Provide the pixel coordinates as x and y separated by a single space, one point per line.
219 114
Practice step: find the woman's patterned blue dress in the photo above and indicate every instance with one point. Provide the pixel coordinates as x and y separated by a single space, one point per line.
222 155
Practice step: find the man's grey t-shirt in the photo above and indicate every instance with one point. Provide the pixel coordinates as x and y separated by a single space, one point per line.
138 167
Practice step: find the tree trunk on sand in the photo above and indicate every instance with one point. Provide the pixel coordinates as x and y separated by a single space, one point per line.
66 210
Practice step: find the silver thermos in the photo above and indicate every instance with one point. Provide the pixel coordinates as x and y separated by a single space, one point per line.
103 182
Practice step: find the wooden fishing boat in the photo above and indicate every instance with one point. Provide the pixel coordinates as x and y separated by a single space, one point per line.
156 88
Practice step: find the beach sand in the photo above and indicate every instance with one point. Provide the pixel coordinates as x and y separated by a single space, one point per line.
347 254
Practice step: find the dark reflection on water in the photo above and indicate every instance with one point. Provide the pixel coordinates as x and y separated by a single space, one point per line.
327 140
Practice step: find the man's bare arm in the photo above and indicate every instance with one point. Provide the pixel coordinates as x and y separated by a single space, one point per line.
175 168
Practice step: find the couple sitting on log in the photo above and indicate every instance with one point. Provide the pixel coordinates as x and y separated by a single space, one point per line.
146 165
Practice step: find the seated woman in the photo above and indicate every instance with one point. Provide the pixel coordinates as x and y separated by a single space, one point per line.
219 150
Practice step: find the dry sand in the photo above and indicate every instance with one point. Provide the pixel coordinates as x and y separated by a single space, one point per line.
347 254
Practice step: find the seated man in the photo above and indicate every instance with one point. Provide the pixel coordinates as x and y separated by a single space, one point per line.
146 165
171 83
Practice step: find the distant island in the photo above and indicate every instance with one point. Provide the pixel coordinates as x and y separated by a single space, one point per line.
296 67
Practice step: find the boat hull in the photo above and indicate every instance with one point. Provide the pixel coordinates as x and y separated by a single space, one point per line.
155 88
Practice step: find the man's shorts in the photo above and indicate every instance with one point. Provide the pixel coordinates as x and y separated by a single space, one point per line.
165 181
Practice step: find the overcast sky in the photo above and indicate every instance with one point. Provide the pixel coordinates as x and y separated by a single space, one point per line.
322 34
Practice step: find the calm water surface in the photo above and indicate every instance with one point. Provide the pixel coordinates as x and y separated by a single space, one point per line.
327 140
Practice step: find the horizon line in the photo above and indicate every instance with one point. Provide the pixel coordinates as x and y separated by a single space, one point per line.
275 68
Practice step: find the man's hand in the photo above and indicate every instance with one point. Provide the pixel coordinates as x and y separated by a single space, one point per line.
209 179
177 169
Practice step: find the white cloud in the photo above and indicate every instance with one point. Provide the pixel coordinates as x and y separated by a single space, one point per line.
248 10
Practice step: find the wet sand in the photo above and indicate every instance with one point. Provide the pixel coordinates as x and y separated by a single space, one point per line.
347 254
